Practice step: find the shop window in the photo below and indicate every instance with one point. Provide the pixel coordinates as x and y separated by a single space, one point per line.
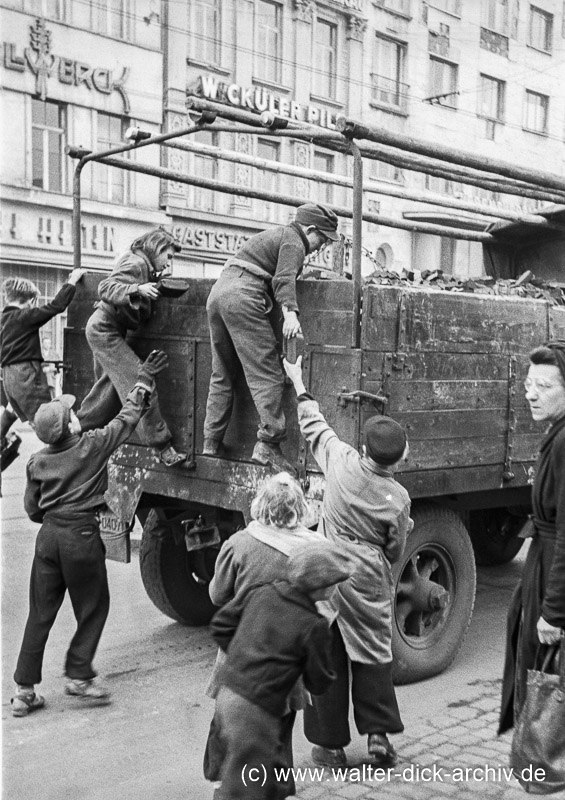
205 167
535 112
495 16
266 180
388 86
491 98
47 145
325 58
205 30
268 40
109 183
540 33
110 17
443 81
324 162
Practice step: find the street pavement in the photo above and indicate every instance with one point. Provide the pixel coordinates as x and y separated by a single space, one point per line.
149 742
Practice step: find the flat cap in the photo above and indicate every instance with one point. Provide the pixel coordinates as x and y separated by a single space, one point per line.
320 217
52 419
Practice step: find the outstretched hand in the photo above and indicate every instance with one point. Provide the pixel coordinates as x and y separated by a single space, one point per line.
155 363
294 372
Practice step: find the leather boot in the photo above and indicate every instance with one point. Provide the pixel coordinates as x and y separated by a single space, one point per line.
270 454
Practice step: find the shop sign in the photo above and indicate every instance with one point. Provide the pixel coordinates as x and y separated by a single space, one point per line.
259 99
44 65
202 238
51 230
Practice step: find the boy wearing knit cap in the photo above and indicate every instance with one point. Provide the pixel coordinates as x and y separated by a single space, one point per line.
66 484
367 512
272 637
263 273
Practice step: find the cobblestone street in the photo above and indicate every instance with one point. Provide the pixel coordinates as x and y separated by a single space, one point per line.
457 755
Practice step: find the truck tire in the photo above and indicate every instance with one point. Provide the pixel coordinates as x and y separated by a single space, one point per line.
494 535
435 582
170 575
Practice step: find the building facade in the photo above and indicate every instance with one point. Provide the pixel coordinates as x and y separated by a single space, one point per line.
482 75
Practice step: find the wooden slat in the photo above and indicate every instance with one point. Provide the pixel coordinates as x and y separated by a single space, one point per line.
457 425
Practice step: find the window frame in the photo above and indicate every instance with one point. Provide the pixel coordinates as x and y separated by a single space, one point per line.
42 9
197 40
500 99
202 199
97 8
330 79
488 9
540 13
61 135
529 93
400 86
451 100
107 145
325 192
261 58
266 180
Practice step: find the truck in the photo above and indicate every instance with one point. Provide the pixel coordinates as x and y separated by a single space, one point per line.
447 365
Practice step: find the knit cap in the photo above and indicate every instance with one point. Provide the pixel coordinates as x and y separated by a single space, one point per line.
318 564
320 217
52 419
384 439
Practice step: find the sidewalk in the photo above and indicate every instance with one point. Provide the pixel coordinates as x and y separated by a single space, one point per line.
459 755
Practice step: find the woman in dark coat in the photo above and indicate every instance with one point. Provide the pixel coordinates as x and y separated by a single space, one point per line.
537 611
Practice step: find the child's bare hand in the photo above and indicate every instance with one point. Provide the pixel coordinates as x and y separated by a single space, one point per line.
76 276
148 290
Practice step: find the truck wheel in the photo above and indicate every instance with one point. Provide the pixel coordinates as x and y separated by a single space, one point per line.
175 580
494 535
435 585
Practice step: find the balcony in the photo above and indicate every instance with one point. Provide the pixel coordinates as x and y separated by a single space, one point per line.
389 93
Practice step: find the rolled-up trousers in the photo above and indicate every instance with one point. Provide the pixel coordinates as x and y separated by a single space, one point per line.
69 556
241 334
375 708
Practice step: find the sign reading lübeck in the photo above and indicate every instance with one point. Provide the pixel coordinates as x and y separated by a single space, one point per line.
39 59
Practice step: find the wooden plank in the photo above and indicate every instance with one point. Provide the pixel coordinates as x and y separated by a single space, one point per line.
427 321
442 395
460 480
441 453
441 366
458 425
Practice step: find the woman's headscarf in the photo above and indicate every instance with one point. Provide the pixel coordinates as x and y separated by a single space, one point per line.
557 347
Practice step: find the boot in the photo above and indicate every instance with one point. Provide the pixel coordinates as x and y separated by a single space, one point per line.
327 757
170 458
214 447
270 454
381 750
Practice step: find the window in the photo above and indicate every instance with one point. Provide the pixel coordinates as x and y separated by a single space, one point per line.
388 77
491 98
109 17
47 131
400 6
535 112
443 82
205 167
109 183
51 9
204 30
325 58
324 162
495 15
540 33
268 181
381 171
268 40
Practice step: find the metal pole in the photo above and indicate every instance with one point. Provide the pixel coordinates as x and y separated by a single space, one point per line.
77 244
451 154
289 200
356 249
342 180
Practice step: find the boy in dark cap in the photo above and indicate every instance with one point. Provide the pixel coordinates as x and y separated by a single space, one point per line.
368 512
65 489
264 271
272 636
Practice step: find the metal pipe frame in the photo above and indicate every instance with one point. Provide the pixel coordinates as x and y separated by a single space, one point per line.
452 155
347 183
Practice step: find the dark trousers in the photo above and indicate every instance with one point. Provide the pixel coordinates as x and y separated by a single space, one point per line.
241 334
253 749
116 367
375 708
69 555
26 388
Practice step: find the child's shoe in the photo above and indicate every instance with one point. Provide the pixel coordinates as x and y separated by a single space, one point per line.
89 688
26 700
